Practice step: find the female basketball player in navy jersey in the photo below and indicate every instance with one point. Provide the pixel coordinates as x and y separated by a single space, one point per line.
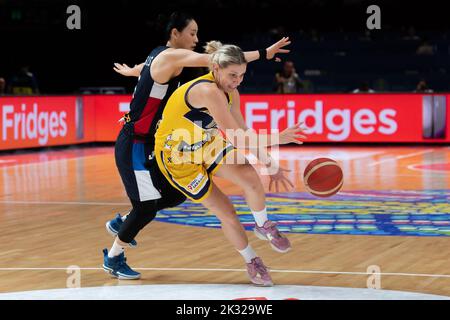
147 188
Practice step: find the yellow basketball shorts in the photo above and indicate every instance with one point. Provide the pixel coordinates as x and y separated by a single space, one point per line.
191 172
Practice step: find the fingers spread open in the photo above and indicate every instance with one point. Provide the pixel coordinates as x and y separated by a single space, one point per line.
300 136
284 185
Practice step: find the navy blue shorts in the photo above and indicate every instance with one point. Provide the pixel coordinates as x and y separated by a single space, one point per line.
140 174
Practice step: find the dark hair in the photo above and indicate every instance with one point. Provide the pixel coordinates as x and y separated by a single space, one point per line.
179 21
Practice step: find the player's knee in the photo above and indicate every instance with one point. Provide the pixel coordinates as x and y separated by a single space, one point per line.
227 213
222 209
145 212
142 214
229 218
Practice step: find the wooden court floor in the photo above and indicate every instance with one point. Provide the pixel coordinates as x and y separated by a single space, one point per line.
54 204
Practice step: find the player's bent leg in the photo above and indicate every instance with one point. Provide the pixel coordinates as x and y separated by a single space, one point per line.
221 205
246 176
113 227
170 198
143 213
114 262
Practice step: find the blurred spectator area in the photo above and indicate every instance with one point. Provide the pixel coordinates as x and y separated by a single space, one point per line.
332 50
101 90
339 61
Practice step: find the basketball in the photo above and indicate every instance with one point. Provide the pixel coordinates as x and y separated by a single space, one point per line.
323 177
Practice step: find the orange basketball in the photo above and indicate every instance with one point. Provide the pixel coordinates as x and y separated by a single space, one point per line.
323 177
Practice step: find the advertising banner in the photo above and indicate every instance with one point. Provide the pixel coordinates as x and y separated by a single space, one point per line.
351 117
109 109
336 118
40 121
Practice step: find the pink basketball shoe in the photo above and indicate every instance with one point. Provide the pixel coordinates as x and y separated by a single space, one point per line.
270 232
256 267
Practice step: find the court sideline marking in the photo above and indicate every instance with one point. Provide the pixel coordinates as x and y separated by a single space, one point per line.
243 270
38 163
401 157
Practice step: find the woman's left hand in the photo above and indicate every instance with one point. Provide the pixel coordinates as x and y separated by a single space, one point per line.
279 177
277 48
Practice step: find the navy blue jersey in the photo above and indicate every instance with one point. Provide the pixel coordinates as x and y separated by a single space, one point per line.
149 99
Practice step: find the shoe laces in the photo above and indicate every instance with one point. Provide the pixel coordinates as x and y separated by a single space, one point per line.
272 227
123 263
260 267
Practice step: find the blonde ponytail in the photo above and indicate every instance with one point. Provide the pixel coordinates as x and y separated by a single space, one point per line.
212 46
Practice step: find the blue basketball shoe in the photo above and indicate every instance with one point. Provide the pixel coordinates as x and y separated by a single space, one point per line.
113 227
118 268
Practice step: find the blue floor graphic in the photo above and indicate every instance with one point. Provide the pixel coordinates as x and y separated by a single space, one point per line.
386 213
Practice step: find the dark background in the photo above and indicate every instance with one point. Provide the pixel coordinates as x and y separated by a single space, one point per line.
34 32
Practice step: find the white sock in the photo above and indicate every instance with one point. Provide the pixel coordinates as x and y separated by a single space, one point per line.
260 217
124 217
115 250
248 254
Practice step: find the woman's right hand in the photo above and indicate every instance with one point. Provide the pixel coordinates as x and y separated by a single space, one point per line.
292 134
126 71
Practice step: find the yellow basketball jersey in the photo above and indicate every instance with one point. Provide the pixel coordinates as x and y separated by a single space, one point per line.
182 126
189 149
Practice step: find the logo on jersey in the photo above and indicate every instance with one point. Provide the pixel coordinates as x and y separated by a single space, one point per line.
194 183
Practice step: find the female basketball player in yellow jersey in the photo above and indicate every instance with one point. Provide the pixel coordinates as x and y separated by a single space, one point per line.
146 188
189 149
